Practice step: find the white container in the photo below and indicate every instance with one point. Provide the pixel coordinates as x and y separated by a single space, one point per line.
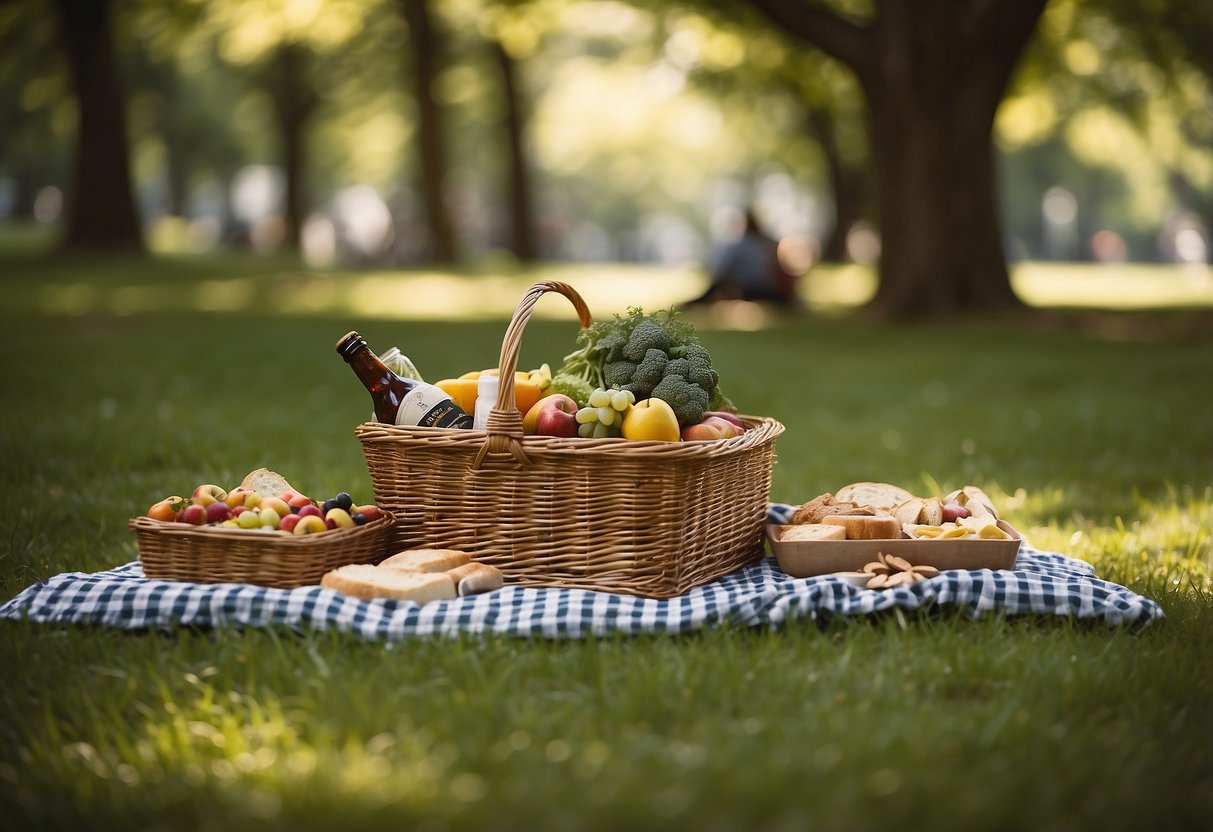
487 387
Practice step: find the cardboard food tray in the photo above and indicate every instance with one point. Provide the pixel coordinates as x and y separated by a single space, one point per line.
808 558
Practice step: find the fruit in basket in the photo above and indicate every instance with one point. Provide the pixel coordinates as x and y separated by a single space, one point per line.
269 518
603 415
310 510
276 504
552 415
167 509
217 512
288 523
204 495
338 518
464 390
710 428
370 512
651 420
728 417
310 524
193 514
249 519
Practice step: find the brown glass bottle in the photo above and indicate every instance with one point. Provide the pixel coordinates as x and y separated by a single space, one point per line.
400 401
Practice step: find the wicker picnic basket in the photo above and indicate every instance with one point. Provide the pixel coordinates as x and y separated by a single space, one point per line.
644 518
214 555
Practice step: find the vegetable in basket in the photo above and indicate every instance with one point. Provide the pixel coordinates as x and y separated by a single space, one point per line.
648 355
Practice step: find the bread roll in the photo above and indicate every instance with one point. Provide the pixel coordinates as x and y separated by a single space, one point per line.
369 582
427 560
880 495
475 578
858 527
813 531
909 511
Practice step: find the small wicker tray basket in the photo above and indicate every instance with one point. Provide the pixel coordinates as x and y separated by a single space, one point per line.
214 555
643 518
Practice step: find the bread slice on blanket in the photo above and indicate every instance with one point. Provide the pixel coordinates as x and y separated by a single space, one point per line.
369 582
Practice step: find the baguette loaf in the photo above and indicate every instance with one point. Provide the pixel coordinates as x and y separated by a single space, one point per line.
814 531
475 578
427 560
859 527
370 582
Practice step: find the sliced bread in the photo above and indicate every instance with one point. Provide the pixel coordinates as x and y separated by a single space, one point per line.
813 531
368 582
858 527
427 560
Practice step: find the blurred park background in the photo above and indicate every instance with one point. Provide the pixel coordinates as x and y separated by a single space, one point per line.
947 157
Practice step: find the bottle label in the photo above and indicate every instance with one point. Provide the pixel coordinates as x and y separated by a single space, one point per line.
427 406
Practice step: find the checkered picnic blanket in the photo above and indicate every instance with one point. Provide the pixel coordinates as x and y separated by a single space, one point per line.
1042 583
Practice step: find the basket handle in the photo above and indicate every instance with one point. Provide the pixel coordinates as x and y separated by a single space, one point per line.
504 427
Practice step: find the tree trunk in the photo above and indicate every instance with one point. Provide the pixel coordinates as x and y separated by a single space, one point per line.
933 73
431 145
101 212
294 104
932 103
518 182
846 187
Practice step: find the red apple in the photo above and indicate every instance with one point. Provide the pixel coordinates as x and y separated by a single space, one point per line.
204 495
554 415
193 514
310 510
709 429
288 523
728 417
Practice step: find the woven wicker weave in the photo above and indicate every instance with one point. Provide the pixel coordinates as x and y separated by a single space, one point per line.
213 555
644 518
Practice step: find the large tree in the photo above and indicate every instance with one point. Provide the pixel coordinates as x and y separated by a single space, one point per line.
933 73
101 202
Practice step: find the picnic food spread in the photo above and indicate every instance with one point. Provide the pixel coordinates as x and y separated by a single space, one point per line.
893 536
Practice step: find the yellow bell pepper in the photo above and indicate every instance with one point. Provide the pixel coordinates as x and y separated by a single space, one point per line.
463 390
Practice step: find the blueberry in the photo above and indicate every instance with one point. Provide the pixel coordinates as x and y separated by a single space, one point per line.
344 501
359 519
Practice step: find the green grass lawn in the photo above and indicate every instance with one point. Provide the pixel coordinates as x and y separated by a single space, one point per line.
1098 447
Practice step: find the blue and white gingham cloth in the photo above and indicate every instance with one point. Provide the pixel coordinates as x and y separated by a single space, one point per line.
1042 583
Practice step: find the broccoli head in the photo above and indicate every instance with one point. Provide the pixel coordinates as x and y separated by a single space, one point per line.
688 400
617 374
646 336
699 369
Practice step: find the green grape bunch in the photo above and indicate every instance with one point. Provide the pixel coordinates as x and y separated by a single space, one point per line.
603 415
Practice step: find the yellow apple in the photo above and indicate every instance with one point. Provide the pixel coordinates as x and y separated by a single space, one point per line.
652 420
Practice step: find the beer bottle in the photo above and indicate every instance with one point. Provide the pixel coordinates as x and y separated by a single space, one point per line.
399 401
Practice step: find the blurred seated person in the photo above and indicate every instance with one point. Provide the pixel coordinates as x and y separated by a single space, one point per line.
749 269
